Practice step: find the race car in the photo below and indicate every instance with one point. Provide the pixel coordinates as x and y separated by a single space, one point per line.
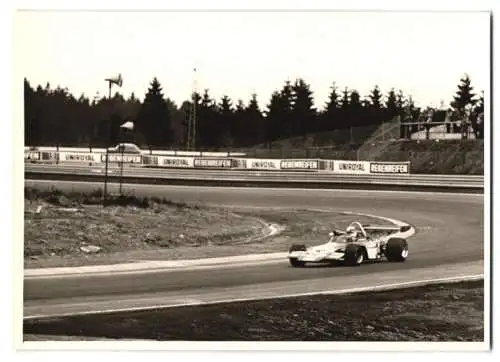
353 246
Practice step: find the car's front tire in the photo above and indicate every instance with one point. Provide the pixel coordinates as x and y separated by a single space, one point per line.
354 255
297 263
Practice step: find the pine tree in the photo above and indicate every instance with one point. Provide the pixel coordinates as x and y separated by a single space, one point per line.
287 101
303 111
224 123
239 124
240 106
329 117
275 118
153 120
373 112
376 98
344 103
256 125
477 118
344 111
206 129
355 110
333 102
400 100
354 100
480 103
391 105
464 96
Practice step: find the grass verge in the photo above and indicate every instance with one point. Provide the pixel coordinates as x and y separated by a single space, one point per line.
444 312
73 229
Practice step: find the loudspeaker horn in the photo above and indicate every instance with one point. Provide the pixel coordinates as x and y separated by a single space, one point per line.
118 80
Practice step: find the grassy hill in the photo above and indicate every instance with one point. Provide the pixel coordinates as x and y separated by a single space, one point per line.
426 156
442 157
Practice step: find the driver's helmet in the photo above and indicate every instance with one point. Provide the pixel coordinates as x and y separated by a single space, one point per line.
331 236
351 233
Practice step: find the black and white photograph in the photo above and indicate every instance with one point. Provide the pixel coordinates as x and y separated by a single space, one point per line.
200 177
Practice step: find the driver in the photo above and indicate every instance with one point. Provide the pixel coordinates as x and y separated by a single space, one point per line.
351 234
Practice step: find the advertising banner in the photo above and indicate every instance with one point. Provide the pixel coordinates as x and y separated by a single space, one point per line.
351 167
148 160
78 157
49 156
240 163
390 167
213 162
32 155
176 162
324 165
299 164
262 164
117 157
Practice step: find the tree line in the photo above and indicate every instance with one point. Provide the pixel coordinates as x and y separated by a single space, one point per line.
54 116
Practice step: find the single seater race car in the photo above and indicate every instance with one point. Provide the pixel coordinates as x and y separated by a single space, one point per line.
353 246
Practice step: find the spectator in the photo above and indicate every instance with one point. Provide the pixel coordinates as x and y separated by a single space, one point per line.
449 114
474 119
480 126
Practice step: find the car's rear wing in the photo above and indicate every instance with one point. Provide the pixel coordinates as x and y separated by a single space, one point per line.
370 227
386 228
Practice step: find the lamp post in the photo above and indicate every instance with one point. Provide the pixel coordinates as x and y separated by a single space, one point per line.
118 81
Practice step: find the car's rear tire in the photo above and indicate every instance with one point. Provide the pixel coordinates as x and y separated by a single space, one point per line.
396 250
297 263
354 255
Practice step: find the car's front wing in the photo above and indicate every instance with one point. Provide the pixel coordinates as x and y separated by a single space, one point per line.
315 257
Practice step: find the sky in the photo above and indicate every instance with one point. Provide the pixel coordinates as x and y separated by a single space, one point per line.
239 53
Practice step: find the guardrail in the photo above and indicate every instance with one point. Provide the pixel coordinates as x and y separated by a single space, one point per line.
247 178
228 170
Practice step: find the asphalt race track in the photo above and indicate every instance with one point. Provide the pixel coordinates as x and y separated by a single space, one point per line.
449 242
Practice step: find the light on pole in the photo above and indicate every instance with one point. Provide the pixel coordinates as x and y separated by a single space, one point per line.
117 81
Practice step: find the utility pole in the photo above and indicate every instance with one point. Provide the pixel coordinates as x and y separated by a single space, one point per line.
191 131
195 100
118 81
189 124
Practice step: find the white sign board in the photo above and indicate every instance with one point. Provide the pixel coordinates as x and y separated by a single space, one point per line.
78 157
262 164
351 167
390 167
213 162
117 157
176 162
299 164
31 155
